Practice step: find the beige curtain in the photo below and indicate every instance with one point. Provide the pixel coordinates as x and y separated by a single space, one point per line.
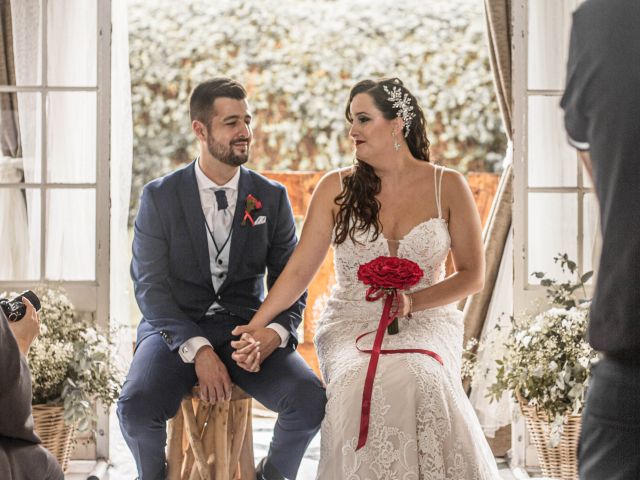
9 129
498 15
13 210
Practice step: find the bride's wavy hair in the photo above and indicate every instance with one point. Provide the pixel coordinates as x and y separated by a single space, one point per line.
358 206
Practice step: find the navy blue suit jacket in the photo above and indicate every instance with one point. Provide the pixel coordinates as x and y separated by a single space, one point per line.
170 266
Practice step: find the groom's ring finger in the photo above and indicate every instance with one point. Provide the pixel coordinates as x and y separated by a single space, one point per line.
217 396
226 393
204 395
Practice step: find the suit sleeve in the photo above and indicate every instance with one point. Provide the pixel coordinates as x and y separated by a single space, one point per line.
282 246
15 388
151 273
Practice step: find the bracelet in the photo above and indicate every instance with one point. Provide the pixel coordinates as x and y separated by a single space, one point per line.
410 305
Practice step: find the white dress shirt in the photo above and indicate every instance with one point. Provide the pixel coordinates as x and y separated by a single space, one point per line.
218 221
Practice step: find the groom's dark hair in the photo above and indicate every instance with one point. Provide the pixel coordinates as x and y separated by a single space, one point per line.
203 96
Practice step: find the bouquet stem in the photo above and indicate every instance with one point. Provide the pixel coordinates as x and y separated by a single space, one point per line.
393 328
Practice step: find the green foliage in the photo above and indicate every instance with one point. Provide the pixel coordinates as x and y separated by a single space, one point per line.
563 294
547 359
298 59
70 362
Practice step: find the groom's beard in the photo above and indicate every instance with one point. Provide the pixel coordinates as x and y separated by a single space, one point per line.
225 153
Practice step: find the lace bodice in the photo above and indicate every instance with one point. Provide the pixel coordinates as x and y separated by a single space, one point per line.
427 244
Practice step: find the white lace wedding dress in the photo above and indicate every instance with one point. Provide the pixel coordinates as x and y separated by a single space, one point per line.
422 425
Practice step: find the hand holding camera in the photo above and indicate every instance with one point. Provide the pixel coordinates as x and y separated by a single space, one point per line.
16 309
24 320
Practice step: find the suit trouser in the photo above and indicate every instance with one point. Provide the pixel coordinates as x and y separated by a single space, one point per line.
158 379
610 438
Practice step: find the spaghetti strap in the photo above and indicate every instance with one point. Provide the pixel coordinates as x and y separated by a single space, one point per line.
438 188
340 177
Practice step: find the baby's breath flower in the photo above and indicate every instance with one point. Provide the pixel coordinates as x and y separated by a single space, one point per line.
547 358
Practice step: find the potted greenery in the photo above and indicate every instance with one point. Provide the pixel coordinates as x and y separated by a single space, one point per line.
546 364
72 368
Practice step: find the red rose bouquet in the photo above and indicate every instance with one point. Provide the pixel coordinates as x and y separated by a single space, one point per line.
387 275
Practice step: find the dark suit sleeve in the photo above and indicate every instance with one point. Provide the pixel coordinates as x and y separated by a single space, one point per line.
282 246
573 102
21 455
151 275
15 388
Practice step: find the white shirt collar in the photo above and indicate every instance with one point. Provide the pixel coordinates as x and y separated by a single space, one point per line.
205 183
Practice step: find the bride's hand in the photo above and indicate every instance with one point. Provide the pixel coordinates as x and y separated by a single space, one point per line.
404 304
247 353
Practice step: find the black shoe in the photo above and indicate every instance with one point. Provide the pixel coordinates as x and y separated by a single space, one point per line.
266 471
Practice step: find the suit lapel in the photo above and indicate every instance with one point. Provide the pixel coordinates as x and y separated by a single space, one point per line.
239 233
192 210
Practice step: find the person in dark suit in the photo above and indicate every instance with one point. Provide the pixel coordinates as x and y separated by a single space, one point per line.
22 457
204 237
602 118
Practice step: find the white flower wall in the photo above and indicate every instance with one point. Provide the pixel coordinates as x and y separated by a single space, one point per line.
298 58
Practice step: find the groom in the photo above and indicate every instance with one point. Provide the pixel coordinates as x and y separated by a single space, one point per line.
204 236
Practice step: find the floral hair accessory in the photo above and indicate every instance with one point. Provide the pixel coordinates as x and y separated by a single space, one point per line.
402 103
251 204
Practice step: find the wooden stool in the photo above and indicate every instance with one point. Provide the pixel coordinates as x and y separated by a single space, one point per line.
211 441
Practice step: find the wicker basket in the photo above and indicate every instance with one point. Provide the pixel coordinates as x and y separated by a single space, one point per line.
558 462
56 436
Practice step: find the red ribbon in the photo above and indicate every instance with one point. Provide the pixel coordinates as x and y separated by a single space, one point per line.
247 215
388 315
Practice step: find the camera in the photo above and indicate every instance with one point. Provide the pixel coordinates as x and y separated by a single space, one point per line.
14 309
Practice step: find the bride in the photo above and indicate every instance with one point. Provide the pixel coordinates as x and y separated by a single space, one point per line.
393 202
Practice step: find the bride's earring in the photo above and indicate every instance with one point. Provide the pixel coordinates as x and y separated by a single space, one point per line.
396 144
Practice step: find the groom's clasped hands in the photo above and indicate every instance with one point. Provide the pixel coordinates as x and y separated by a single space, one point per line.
254 346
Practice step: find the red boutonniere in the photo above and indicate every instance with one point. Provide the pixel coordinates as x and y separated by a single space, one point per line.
251 204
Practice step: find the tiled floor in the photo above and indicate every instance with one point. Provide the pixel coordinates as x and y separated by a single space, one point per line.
123 467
